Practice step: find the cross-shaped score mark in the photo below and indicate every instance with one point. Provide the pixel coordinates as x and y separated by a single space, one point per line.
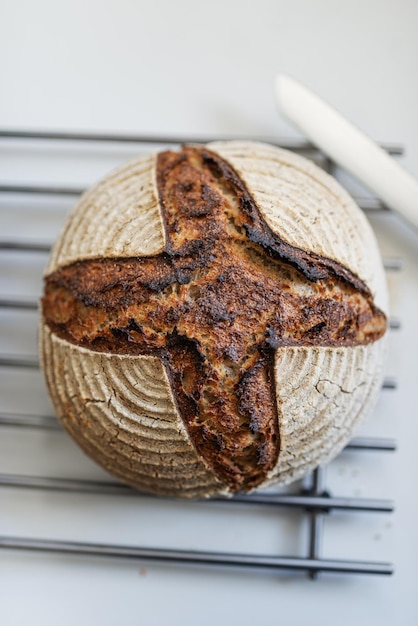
225 294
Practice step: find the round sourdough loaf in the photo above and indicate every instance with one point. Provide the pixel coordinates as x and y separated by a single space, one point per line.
213 320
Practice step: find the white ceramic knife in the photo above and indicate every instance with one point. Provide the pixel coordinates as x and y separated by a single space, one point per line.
349 147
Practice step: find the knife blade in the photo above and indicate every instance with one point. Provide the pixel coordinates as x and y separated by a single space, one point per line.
344 143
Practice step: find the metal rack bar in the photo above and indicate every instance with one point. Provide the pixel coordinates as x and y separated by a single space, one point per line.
30 421
44 190
295 145
18 304
372 443
314 501
24 362
25 246
389 383
195 557
316 524
392 264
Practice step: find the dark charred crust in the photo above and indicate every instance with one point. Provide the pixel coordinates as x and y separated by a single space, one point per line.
315 330
273 340
185 368
277 249
254 391
265 451
225 294
120 333
313 266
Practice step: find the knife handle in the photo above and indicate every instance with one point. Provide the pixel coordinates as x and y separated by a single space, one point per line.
349 147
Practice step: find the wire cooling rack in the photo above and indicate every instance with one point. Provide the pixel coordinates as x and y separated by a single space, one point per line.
314 500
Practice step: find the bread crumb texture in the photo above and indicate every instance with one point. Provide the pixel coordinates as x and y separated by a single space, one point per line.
214 328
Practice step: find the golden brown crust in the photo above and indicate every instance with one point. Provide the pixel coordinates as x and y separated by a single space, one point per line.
215 306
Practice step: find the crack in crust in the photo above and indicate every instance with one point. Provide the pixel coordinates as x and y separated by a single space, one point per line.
215 305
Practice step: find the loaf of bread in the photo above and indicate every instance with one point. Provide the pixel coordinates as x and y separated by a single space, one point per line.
214 320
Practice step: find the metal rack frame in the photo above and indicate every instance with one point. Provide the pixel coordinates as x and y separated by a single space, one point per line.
315 502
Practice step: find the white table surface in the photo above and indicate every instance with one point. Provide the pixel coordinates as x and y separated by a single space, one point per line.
187 68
